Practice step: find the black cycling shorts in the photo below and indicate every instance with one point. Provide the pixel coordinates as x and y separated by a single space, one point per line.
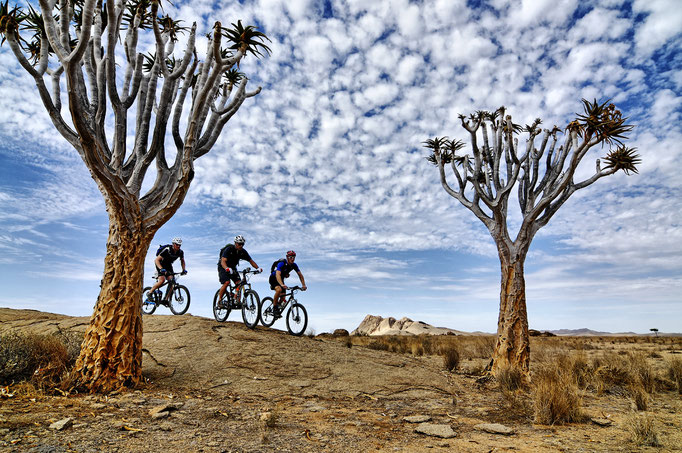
224 276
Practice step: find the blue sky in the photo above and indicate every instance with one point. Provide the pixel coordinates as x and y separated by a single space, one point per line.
327 160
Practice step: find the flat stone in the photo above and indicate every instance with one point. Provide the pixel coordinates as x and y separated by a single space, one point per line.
62 424
495 428
602 421
417 418
160 415
167 407
431 429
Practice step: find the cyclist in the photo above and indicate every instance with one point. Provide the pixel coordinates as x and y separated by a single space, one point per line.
282 271
230 255
164 263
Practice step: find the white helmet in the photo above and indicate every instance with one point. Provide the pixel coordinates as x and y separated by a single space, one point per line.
239 239
177 241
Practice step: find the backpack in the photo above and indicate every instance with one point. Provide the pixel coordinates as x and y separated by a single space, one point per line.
161 247
276 263
220 254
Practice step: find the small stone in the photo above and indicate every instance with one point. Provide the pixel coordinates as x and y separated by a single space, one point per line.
417 418
430 429
62 424
495 428
602 421
160 415
168 407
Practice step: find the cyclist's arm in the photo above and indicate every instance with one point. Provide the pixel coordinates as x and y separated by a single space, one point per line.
253 263
223 263
182 261
300 277
278 276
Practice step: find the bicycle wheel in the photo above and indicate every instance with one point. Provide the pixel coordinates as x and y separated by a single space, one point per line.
221 310
267 318
250 309
179 301
148 306
297 319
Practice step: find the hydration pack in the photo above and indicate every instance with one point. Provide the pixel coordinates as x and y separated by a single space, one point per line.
160 249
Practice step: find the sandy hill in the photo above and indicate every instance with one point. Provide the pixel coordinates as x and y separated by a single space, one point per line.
220 387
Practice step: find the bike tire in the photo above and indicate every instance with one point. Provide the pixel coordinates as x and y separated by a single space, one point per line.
179 300
221 313
297 319
251 309
148 307
266 316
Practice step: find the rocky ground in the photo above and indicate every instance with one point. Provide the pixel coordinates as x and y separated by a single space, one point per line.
220 387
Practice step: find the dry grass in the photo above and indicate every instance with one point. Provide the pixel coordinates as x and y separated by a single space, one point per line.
675 372
451 358
42 361
510 379
556 396
642 430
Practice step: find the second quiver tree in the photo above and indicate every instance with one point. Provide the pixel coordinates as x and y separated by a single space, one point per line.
542 174
77 41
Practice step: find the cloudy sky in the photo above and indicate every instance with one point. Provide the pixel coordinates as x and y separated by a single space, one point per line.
328 160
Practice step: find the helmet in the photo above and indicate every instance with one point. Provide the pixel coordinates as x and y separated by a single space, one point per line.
291 253
177 241
239 239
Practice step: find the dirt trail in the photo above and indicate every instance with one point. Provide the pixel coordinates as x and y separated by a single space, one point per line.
228 388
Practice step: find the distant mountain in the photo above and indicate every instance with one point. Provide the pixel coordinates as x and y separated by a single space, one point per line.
378 325
584 332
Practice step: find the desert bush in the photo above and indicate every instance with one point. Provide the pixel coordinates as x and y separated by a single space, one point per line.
40 359
642 430
675 372
451 358
611 371
417 349
556 397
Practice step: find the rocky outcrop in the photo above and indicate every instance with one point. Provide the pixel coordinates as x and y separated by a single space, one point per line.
377 325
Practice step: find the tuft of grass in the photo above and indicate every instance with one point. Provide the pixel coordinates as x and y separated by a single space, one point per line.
675 372
451 357
642 431
41 360
639 396
510 379
556 397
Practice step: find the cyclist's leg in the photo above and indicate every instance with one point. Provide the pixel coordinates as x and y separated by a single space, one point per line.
160 280
224 278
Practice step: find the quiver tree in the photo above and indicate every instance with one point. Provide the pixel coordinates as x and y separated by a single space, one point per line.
544 176
76 41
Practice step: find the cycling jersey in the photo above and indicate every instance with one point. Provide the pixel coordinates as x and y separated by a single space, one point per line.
168 255
285 268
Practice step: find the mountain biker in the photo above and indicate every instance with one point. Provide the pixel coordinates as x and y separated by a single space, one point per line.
227 266
164 263
278 275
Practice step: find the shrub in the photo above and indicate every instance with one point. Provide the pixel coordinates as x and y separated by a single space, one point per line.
451 358
642 372
642 431
378 345
556 397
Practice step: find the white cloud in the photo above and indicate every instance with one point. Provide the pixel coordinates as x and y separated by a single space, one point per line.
663 22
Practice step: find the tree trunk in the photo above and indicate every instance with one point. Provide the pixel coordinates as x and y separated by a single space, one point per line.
111 353
513 346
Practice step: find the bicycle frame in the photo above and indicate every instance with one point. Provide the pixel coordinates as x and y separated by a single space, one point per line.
171 281
243 286
288 297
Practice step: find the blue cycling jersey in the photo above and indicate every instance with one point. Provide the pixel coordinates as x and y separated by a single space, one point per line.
285 268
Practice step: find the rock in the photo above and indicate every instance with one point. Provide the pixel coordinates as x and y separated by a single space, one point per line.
417 418
340 333
160 415
62 424
495 428
166 407
431 429
602 421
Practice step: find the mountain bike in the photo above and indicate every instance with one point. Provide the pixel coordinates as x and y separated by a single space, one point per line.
297 316
248 302
176 297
